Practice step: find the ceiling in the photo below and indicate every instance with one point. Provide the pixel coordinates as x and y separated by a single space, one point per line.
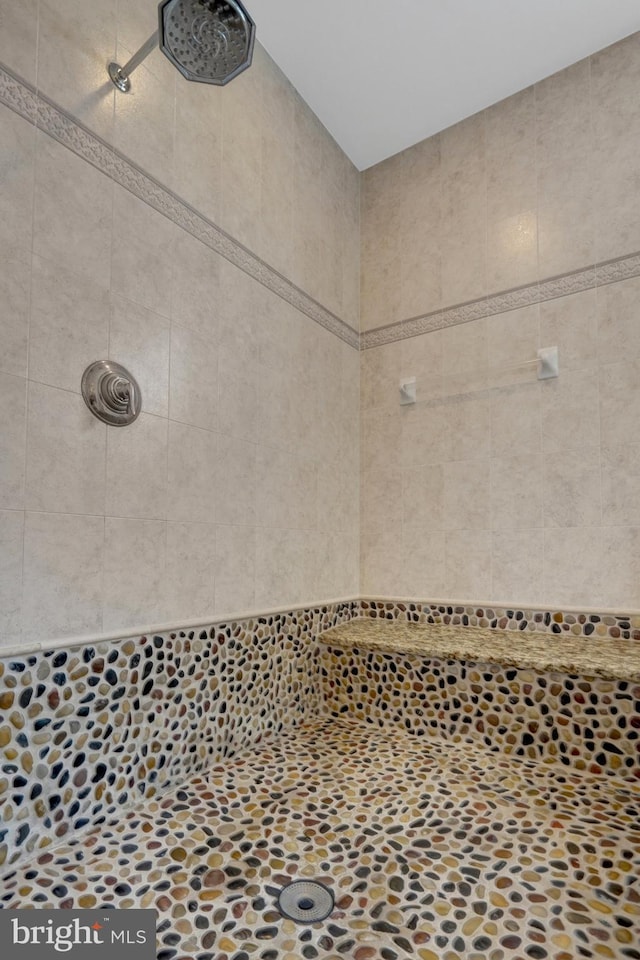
383 75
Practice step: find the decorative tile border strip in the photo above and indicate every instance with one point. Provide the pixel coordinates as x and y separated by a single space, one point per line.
87 732
595 275
598 626
24 100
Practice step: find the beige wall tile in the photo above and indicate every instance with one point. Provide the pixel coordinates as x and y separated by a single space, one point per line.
463 254
516 493
512 250
567 224
381 369
381 561
140 340
512 235
617 203
464 211
237 400
573 567
337 556
338 501
569 406
517 566
571 324
425 496
11 555
63 562
241 165
142 254
468 418
565 97
197 174
275 410
66 188
380 292
235 583
620 567
620 402
566 212
468 564
81 37
135 21
423 550
236 481
195 285
618 328
13 438
144 123
17 167
137 470
15 285
134 573
465 357
193 383
620 466
190 546
66 454
69 325
284 566
19 37
420 277
512 340
286 491
515 420
614 75
572 488
379 500
192 474
421 357
467 487
276 241
424 432
382 442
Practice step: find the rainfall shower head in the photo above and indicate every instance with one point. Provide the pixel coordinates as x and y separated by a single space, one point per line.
207 40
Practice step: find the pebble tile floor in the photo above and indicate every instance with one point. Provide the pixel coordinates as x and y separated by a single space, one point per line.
432 850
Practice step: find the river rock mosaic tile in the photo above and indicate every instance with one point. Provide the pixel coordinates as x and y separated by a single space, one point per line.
597 626
432 850
88 731
584 723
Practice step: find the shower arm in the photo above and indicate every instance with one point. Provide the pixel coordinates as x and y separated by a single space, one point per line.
120 75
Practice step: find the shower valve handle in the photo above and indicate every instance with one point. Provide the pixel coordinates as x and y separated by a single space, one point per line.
118 393
111 393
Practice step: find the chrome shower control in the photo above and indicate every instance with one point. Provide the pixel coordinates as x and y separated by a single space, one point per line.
111 393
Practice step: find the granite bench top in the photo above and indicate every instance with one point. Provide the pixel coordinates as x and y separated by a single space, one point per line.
548 653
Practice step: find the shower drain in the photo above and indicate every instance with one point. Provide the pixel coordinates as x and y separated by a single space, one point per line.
305 901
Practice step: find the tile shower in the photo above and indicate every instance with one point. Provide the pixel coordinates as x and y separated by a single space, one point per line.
453 807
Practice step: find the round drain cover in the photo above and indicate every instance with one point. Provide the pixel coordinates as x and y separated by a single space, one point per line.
305 901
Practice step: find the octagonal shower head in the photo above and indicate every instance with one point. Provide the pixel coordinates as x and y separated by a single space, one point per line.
207 40
210 41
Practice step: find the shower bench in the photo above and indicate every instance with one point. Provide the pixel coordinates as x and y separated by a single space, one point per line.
539 696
